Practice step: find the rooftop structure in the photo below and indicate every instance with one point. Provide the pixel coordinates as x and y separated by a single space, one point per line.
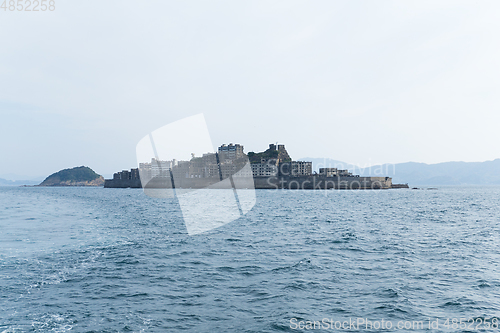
334 172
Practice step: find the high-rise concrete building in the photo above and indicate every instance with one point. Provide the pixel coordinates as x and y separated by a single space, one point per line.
230 152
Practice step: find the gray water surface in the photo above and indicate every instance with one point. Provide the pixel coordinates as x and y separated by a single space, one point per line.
115 260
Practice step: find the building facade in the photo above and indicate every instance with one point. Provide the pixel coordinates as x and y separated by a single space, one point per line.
230 152
265 168
296 168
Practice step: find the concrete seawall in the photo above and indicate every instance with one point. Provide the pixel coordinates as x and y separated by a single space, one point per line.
313 182
122 183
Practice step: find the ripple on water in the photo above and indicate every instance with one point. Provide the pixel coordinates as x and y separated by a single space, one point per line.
98 260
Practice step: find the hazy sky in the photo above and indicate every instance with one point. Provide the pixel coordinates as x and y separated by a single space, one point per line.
363 82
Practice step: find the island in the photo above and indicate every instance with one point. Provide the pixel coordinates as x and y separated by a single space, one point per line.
79 176
230 167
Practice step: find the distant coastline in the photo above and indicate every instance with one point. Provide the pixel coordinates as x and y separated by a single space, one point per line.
422 174
5 182
416 174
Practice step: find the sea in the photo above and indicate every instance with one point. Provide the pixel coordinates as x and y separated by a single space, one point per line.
87 259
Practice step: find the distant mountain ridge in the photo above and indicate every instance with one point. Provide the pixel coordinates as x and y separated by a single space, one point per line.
79 176
5 182
14 177
413 173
